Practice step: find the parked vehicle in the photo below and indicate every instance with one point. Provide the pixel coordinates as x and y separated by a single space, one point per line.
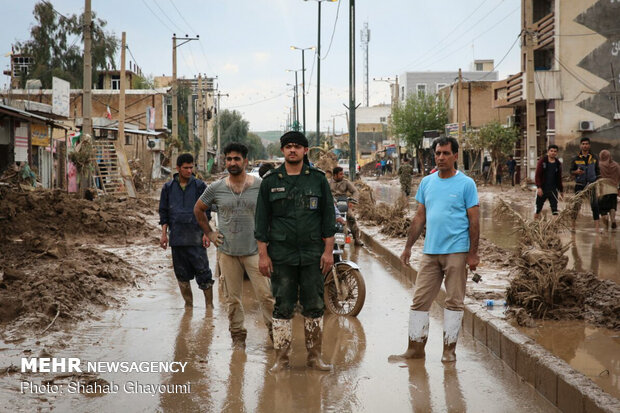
345 289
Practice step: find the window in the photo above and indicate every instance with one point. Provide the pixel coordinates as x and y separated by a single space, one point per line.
440 85
402 93
382 119
115 82
421 88
479 67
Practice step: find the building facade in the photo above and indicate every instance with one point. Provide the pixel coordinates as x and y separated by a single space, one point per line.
576 75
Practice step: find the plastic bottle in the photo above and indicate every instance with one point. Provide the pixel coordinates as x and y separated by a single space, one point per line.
496 303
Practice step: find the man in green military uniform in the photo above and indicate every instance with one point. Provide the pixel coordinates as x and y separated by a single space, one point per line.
295 226
405 172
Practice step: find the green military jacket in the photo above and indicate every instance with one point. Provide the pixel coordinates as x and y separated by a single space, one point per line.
294 214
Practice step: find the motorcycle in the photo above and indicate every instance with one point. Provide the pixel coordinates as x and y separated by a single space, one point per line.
344 287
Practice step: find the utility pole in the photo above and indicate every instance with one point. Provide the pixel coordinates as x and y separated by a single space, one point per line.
121 96
459 89
190 124
200 113
394 94
175 87
352 135
530 92
365 39
218 95
87 119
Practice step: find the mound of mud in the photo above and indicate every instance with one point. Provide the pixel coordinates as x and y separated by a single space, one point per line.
61 215
391 218
48 273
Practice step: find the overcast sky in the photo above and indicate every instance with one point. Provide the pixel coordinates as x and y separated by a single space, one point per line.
246 43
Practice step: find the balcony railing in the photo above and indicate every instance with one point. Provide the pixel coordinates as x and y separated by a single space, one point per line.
545 28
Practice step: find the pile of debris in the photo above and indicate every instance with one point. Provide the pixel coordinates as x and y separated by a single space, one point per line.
327 162
543 286
140 180
49 272
391 218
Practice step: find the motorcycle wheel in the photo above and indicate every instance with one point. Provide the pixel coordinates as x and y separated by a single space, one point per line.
353 283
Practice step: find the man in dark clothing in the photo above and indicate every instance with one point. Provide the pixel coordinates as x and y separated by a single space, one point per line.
512 167
548 181
181 231
294 229
585 168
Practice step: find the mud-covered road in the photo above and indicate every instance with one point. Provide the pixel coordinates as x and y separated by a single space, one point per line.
152 325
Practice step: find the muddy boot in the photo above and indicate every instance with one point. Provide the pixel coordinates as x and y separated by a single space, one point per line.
418 334
452 321
238 339
186 292
208 292
314 338
282 336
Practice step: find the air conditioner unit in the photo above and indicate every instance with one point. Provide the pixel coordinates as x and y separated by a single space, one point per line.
586 125
156 144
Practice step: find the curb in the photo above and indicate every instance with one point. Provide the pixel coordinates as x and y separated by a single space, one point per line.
566 388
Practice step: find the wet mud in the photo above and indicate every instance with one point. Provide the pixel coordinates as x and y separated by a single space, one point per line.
153 325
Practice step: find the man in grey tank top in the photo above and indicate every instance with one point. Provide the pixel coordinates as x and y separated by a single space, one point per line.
235 197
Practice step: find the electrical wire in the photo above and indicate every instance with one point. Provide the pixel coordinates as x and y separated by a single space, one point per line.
258 102
168 17
456 27
502 59
183 18
158 18
459 47
580 80
333 32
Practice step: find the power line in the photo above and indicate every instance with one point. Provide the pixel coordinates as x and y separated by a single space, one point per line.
260 101
479 35
158 18
439 51
502 59
333 32
168 17
456 27
183 18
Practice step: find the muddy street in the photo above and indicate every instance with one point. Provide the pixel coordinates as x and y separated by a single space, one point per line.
153 326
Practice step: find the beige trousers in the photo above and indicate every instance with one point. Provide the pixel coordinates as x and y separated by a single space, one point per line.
434 268
232 268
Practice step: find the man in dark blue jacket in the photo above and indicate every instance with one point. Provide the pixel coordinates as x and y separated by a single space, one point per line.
181 231
585 168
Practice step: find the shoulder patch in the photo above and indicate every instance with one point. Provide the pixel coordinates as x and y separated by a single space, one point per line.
314 168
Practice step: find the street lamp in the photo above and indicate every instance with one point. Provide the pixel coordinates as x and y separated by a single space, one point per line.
303 78
318 73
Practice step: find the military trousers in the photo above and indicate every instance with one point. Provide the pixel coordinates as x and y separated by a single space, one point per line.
290 283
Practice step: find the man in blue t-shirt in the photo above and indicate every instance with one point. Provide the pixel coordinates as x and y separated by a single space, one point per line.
448 206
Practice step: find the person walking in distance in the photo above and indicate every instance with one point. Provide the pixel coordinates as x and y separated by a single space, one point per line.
181 231
585 168
511 164
295 229
235 197
611 190
448 206
342 187
548 179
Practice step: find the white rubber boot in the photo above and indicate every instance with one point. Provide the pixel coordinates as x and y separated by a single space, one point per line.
452 321
418 334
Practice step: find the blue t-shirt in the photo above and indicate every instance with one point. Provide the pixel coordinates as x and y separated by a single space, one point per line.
446 202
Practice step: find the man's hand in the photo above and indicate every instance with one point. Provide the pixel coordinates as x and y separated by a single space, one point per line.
473 260
539 192
405 256
341 220
163 241
264 265
216 238
327 260
206 242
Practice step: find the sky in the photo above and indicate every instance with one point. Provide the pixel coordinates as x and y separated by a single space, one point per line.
246 44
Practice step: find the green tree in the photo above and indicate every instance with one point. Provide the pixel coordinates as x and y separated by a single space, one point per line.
142 82
420 112
498 139
234 128
52 53
273 150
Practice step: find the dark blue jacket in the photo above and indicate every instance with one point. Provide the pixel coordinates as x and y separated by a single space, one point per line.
176 208
589 164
